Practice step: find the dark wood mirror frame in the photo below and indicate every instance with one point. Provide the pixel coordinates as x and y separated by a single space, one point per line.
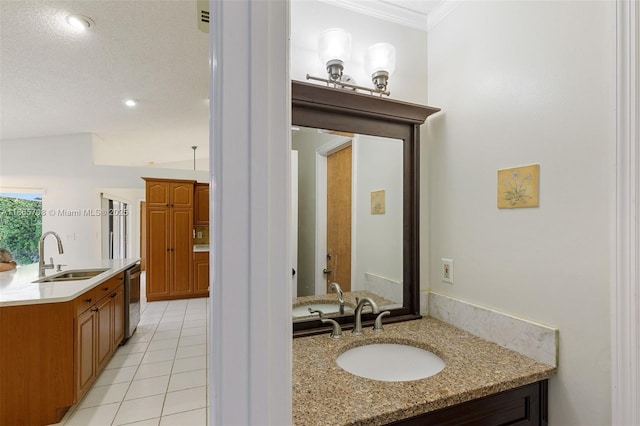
327 108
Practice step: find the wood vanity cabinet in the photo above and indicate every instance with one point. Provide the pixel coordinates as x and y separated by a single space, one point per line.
526 405
169 244
201 204
201 273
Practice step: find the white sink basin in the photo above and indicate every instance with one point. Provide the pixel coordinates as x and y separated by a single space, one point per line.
390 362
326 308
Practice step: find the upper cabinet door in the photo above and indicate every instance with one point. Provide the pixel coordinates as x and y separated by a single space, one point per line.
201 209
181 194
158 194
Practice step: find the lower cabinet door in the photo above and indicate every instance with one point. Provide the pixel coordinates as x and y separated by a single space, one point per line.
104 327
85 352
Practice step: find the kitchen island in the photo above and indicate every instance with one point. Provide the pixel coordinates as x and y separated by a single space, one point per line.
325 394
55 338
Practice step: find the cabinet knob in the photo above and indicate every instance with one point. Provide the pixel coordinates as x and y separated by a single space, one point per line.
105 288
88 300
121 278
113 295
94 310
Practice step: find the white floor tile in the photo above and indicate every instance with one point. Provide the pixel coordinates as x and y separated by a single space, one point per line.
187 380
140 337
132 348
191 323
166 334
147 328
170 325
163 344
126 360
192 340
191 351
139 409
157 356
185 400
147 422
94 416
102 395
191 418
154 369
116 375
147 387
189 364
195 331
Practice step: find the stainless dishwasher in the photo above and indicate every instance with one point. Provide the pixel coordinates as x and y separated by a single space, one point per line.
131 300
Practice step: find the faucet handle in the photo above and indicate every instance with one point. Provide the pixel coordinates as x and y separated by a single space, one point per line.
377 326
59 268
336 333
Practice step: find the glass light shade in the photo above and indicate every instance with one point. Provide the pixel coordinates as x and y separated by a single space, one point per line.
334 44
380 57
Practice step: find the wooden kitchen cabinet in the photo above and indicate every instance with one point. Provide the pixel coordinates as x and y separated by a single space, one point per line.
201 204
53 352
99 330
169 245
169 193
201 273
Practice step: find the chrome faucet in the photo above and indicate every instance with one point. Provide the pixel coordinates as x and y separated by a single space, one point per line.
49 265
336 287
357 329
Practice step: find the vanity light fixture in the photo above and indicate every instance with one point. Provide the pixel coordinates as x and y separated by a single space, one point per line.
380 63
334 49
130 103
79 22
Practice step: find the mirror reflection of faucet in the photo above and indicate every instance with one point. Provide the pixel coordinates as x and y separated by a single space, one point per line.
335 286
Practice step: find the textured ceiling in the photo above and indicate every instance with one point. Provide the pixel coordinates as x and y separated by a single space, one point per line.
55 80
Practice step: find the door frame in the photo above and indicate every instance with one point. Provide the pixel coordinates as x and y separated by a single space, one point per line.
322 152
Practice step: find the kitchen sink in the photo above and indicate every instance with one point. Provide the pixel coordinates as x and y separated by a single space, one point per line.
73 275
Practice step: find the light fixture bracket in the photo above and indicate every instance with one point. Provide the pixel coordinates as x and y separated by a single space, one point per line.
380 80
334 69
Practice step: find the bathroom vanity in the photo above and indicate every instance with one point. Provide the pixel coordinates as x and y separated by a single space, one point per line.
481 381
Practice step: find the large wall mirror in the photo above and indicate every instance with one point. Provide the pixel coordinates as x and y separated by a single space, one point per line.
355 201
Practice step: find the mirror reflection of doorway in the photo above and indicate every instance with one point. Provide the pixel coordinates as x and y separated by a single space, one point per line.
339 173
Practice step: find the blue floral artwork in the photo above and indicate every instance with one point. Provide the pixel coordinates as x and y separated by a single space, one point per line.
518 187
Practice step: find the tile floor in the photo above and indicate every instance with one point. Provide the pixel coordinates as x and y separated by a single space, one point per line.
159 377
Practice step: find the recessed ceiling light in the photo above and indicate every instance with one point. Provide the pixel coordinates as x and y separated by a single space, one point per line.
79 22
130 103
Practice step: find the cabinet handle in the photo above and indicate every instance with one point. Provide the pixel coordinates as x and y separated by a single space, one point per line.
105 288
113 295
95 310
88 300
121 278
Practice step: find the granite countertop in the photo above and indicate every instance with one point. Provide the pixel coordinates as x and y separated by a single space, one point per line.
324 394
17 286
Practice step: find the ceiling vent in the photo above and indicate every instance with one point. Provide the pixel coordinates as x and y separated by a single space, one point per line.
203 16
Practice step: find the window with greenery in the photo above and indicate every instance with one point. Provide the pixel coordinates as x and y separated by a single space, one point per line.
21 225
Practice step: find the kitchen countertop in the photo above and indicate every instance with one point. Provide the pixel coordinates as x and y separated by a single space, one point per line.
17 286
324 394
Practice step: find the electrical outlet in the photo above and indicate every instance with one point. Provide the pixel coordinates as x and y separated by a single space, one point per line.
446 270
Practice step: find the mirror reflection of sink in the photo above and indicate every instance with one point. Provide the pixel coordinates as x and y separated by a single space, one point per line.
390 362
73 275
325 307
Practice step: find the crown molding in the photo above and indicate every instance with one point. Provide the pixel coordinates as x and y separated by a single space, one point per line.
385 11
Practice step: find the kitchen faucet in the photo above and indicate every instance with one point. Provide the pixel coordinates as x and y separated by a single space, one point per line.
357 329
335 286
43 265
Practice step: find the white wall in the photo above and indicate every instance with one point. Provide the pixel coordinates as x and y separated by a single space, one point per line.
521 83
378 237
309 18
62 167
